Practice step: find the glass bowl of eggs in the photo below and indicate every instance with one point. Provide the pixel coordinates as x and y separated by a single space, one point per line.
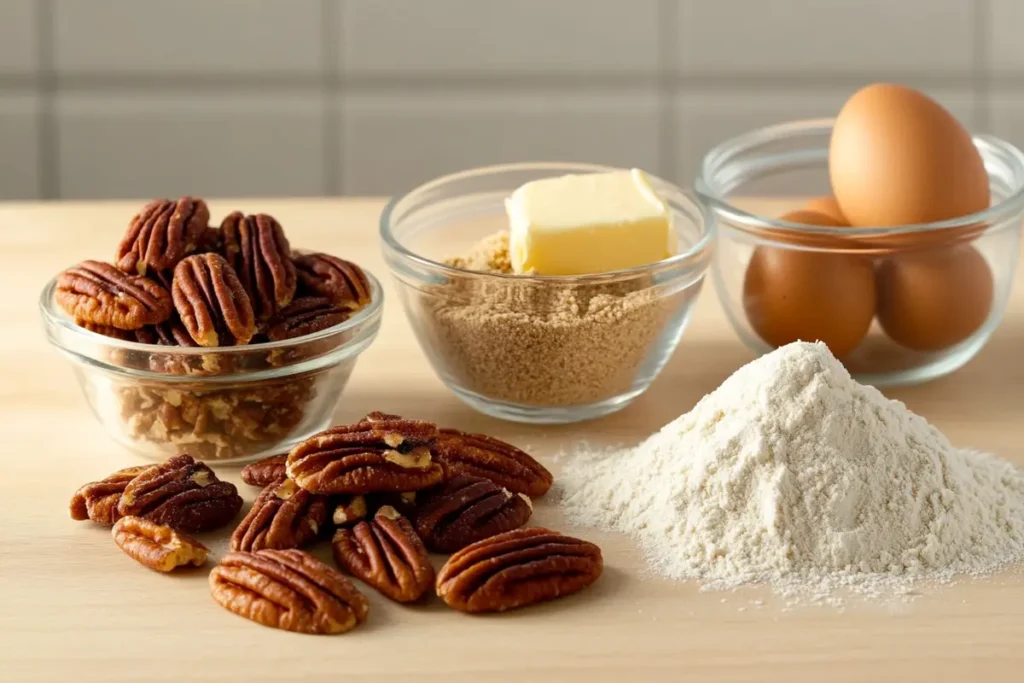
899 249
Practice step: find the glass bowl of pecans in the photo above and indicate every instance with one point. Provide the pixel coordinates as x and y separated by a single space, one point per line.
220 343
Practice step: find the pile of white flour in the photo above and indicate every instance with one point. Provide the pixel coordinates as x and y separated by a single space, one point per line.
793 474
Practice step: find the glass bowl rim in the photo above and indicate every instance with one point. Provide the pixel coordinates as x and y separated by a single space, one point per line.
54 315
700 247
713 160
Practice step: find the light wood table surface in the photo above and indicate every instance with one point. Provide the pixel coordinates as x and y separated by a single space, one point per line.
74 608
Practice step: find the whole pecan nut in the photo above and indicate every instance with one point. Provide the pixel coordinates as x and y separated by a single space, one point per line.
485 456
211 301
162 234
386 553
265 472
100 294
516 569
288 589
283 516
158 547
97 501
467 509
380 453
258 250
181 493
328 276
306 315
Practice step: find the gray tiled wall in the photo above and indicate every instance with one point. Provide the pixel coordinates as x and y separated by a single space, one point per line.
134 98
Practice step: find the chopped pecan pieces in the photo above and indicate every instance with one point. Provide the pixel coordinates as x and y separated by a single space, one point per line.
97 501
283 516
265 472
100 294
288 589
380 453
181 493
306 315
162 234
328 276
468 509
387 554
257 249
160 548
487 457
211 301
349 510
517 569
216 423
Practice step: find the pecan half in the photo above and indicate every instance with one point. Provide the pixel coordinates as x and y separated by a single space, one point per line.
487 457
181 493
100 294
283 516
306 315
162 234
265 472
257 249
328 276
97 501
387 554
468 509
160 548
288 589
211 301
517 569
380 453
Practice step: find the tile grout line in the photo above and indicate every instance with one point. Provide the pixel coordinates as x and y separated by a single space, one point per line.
668 149
336 82
982 66
331 14
47 129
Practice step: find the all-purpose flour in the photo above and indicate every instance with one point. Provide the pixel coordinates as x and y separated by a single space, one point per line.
793 474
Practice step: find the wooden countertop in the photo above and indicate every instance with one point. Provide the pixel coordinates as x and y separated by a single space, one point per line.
74 608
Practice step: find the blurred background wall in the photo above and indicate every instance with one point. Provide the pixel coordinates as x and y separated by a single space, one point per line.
142 98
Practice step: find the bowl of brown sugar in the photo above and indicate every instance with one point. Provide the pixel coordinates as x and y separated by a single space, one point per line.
530 348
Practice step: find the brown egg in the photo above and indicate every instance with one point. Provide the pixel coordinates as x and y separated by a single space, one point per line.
897 157
827 205
792 295
931 300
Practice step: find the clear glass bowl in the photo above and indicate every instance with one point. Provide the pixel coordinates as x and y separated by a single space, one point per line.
226 404
795 155
536 349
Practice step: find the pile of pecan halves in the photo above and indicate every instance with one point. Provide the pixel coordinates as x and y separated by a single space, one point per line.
176 281
394 489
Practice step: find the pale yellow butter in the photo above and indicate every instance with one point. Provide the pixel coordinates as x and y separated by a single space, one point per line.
588 223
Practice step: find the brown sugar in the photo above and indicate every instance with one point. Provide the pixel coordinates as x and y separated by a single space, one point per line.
540 342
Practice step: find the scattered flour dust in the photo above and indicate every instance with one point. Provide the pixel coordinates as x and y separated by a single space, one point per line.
792 474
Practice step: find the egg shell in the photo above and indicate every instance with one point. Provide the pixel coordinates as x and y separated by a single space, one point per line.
793 294
897 157
828 206
931 300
